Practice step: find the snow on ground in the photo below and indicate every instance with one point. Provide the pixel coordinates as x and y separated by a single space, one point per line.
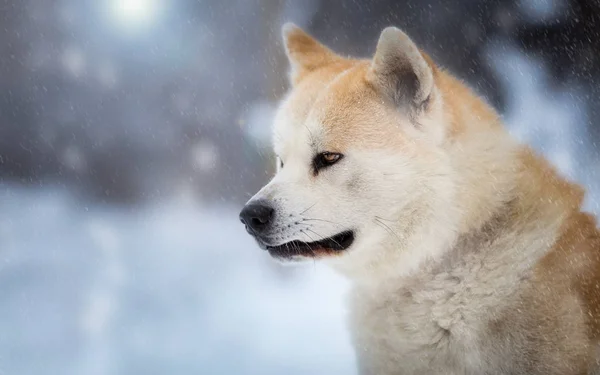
169 289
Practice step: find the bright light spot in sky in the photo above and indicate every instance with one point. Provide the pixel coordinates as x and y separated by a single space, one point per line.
135 13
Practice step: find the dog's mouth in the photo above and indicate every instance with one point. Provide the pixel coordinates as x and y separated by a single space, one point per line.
328 246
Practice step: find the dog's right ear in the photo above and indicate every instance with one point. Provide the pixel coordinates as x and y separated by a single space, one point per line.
401 71
304 52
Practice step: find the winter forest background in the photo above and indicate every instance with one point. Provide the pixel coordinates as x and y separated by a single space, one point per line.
132 131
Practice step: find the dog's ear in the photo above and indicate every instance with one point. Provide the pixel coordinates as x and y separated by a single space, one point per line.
401 71
304 52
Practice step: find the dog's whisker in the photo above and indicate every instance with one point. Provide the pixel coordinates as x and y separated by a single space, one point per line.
307 235
296 248
287 247
384 219
323 220
310 247
337 243
303 212
311 136
317 234
387 228
383 227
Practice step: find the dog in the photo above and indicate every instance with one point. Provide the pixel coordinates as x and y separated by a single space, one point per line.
466 251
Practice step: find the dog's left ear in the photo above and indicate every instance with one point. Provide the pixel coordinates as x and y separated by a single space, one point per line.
401 71
304 52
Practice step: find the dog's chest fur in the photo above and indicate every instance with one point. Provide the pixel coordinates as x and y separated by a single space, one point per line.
462 315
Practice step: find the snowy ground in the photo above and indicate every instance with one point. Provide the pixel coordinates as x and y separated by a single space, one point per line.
172 289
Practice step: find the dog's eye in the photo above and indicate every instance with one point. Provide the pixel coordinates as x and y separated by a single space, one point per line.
325 159
280 162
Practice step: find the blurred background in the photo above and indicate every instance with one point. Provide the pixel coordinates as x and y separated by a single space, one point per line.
132 131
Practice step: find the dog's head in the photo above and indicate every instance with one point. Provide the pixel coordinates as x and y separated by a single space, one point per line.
359 161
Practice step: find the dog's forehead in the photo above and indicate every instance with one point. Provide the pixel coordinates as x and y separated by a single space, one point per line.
330 110
296 125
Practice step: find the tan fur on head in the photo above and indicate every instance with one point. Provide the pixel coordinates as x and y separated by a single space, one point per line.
470 253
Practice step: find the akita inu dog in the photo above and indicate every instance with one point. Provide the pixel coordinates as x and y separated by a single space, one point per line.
467 252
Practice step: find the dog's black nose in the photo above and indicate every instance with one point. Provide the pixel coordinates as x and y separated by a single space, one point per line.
257 216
